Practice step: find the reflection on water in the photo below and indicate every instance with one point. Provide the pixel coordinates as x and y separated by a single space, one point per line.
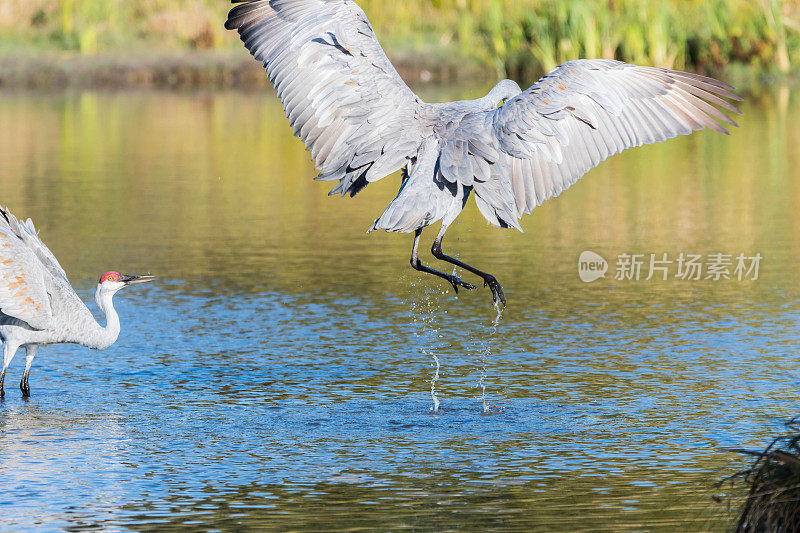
280 371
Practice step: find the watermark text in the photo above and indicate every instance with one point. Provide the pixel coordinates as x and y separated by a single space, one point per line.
663 266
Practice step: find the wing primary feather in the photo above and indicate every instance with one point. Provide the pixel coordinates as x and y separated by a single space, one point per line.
579 114
338 88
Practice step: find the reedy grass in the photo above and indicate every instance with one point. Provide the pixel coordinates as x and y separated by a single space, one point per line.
772 503
514 37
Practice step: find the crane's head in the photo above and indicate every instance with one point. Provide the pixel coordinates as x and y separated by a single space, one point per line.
504 90
112 281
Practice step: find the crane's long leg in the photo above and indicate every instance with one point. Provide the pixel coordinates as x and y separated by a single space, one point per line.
9 349
30 353
488 279
417 265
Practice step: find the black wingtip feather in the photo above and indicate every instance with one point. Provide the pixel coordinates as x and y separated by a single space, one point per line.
237 16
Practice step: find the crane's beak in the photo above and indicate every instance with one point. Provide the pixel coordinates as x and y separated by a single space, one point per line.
131 279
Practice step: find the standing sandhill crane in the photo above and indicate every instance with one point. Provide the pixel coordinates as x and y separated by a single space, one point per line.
38 305
513 149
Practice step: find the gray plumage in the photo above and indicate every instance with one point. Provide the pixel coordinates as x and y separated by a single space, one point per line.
38 306
361 122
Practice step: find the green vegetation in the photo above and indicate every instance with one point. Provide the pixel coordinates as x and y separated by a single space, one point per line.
519 37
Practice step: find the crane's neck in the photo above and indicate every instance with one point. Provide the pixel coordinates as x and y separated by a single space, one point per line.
504 90
103 337
486 103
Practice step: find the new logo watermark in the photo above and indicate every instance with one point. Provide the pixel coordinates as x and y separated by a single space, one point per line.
684 267
591 266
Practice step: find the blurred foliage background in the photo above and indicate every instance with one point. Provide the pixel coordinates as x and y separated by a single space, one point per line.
521 38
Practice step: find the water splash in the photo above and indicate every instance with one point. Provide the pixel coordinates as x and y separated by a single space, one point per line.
435 378
427 311
487 352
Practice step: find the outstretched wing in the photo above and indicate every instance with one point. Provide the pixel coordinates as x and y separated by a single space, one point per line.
341 93
25 266
539 143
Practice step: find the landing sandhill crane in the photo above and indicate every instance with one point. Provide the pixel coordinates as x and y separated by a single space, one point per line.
38 305
512 149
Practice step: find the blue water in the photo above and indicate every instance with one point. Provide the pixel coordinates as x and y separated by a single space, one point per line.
278 373
289 404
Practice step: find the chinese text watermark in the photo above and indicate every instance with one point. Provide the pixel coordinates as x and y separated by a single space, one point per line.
683 266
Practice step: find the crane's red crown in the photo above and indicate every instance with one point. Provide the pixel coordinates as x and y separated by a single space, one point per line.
111 275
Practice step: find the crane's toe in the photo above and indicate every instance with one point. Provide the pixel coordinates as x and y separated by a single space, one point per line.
457 282
497 289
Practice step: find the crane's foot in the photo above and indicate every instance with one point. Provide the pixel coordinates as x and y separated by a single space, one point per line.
488 280
26 390
497 289
457 282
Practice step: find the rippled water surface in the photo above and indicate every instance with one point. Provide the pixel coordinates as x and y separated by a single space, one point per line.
278 374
